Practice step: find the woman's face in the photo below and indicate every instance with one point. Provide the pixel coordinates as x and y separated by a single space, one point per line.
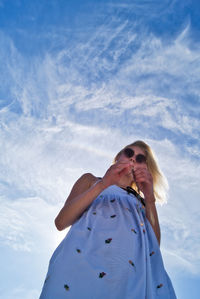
135 160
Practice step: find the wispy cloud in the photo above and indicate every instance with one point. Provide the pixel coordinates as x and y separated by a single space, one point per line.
27 237
20 292
71 110
21 221
149 8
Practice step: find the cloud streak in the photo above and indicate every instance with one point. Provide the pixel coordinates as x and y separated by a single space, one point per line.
71 109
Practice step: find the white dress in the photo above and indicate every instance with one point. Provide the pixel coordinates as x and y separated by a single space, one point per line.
110 252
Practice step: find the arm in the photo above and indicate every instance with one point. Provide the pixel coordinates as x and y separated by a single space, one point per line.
81 196
84 191
152 216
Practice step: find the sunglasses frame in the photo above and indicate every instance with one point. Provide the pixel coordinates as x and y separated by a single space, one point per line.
129 153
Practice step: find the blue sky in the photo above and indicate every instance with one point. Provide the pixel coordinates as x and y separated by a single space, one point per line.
78 81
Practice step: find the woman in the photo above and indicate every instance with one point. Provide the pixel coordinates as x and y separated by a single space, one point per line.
112 249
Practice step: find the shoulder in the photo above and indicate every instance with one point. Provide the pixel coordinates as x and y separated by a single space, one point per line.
82 184
88 179
85 182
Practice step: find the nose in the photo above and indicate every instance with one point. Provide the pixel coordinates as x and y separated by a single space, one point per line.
132 160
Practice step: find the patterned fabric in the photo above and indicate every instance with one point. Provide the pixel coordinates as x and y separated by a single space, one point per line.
110 252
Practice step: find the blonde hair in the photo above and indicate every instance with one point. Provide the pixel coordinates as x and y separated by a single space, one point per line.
160 184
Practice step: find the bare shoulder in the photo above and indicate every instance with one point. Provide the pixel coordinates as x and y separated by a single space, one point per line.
88 178
82 185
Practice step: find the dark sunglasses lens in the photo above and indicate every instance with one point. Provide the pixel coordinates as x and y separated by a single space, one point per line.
140 158
129 152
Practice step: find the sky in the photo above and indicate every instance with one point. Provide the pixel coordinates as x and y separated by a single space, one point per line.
79 80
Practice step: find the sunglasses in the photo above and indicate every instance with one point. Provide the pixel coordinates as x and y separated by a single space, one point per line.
129 153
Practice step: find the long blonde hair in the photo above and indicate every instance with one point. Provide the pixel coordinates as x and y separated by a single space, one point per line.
160 184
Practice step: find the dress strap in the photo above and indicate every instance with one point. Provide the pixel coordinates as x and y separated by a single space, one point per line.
137 195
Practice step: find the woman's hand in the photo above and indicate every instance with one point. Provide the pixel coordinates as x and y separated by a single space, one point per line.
144 181
115 172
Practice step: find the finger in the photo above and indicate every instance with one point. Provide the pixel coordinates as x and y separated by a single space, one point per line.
120 166
122 162
141 169
123 171
139 177
144 167
145 175
144 180
142 173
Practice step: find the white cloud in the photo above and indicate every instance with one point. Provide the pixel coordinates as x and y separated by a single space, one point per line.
28 237
20 292
181 233
47 147
22 220
149 83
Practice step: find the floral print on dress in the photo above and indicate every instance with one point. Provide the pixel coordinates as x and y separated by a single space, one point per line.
159 286
113 216
66 287
108 240
102 274
131 263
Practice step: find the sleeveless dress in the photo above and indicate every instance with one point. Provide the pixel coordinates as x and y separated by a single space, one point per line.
111 252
